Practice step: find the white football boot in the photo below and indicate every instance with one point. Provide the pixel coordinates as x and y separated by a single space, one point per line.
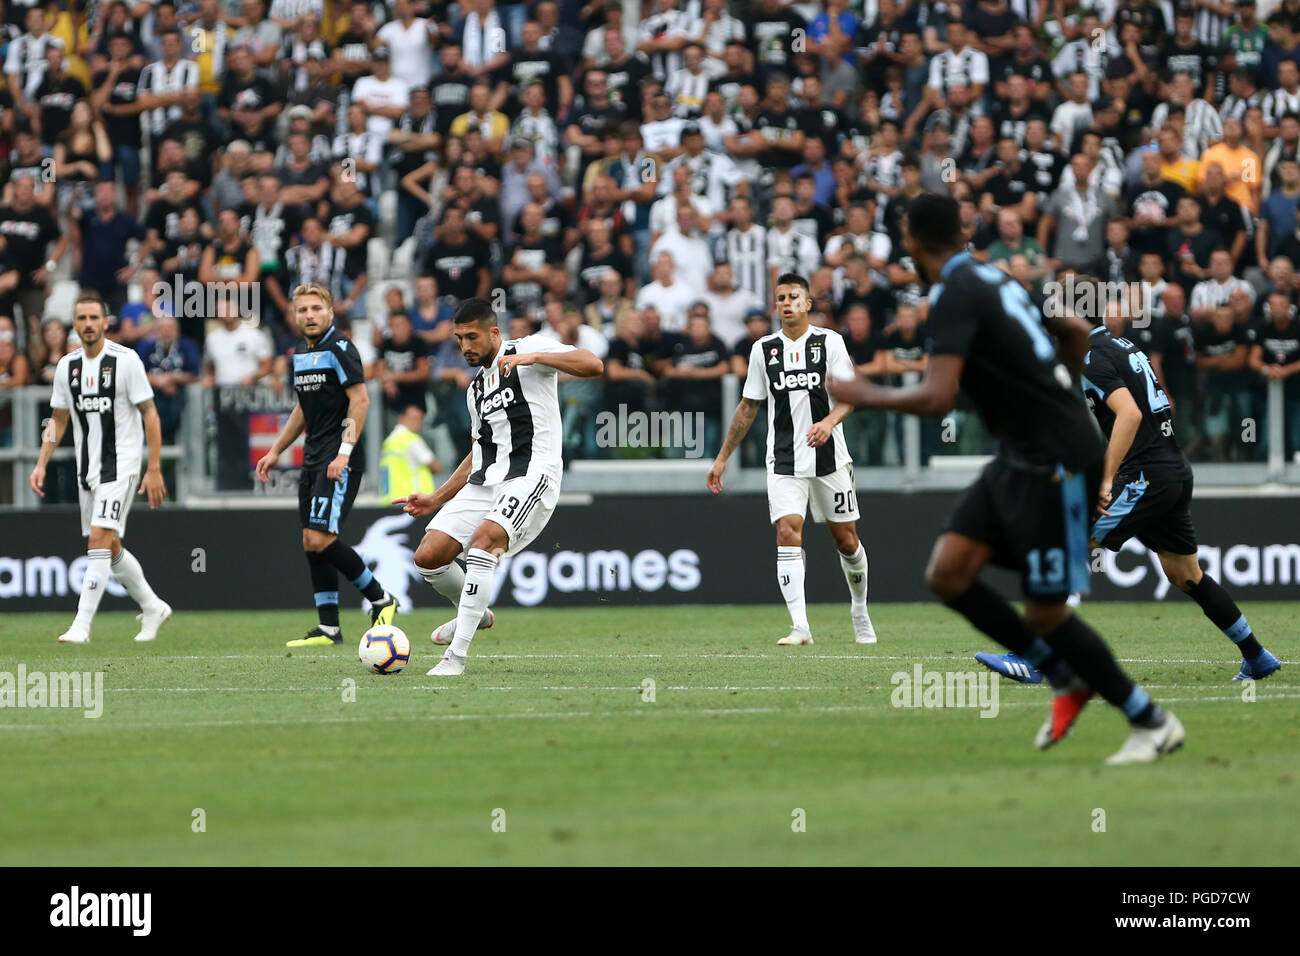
152 619
1149 744
797 635
445 632
449 666
863 630
74 636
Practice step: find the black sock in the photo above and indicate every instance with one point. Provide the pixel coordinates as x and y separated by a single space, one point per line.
325 588
354 569
1090 658
1222 610
989 612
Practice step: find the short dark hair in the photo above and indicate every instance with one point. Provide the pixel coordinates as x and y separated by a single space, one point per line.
476 311
793 278
934 222
91 296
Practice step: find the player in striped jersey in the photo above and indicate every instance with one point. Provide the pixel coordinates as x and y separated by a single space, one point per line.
807 459
103 388
502 495
745 247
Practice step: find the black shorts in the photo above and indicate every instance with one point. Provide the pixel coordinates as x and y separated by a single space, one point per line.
1036 522
1156 511
323 504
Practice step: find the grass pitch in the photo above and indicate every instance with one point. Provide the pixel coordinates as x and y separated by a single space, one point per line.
547 751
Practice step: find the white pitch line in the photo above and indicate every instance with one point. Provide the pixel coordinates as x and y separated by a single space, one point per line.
393 686
640 711
794 655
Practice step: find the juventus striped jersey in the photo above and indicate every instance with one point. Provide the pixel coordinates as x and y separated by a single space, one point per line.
157 78
747 254
101 395
515 418
791 375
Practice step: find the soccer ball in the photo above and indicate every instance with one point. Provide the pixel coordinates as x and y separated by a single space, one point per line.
384 649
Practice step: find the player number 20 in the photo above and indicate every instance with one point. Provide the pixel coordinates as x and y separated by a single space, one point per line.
844 502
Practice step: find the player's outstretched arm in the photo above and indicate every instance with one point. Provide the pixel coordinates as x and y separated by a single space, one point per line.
420 504
288 435
50 439
933 396
741 422
152 485
579 363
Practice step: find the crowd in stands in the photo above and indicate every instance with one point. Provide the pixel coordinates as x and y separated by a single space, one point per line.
631 176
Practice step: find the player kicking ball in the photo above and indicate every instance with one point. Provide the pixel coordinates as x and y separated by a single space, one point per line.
502 495
1029 508
332 404
807 458
104 389
1145 493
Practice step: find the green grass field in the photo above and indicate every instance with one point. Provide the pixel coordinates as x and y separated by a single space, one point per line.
550 726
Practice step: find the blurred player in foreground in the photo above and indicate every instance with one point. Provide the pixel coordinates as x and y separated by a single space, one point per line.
1029 508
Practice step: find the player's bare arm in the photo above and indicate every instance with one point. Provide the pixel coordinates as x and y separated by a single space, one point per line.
933 396
152 485
579 362
427 504
50 438
358 406
1127 419
288 435
741 422
820 433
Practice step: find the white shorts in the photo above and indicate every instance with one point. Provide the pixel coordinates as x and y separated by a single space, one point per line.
106 505
832 496
521 505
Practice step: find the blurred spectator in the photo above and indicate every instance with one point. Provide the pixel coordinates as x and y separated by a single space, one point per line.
669 298
606 313
579 397
33 246
431 315
402 367
383 96
1221 353
101 236
172 362
693 369
235 353
460 262
1275 356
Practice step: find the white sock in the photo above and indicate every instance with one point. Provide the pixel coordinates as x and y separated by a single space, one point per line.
447 580
855 572
92 587
128 571
480 569
789 574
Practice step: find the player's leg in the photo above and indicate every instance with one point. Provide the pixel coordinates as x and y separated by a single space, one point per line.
342 493
435 561
489 542
1173 538
835 502
1184 572
787 503
445 538
324 576
520 509
102 510
153 610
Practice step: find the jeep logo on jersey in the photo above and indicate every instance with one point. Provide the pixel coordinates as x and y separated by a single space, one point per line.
798 380
94 404
497 400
